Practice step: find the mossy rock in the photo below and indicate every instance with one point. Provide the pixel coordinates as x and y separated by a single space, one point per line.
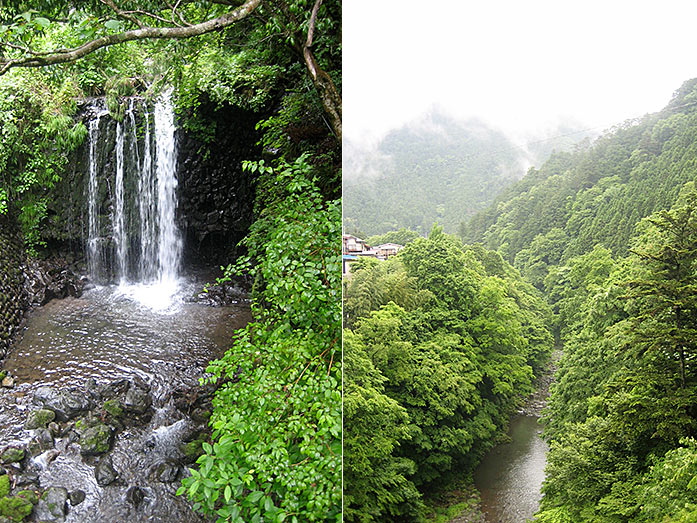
96 440
192 450
31 496
4 485
113 407
15 508
39 419
12 455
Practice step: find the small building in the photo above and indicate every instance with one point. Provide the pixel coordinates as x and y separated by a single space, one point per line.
353 244
346 261
386 250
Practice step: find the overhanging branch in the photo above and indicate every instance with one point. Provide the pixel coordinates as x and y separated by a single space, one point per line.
70 55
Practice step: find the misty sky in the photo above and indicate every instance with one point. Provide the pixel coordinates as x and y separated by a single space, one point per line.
521 65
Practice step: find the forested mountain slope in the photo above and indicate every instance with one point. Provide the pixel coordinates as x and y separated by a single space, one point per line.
610 235
436 171
442 343
594 196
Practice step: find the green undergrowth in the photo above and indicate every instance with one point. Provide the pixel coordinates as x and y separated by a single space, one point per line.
460 500
275 453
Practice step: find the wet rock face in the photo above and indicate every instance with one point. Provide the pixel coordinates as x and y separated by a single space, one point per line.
65 404
49 279
52 505
12 300
215 197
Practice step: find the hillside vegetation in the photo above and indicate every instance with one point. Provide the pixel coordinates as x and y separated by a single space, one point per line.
441 344
610 235
428 173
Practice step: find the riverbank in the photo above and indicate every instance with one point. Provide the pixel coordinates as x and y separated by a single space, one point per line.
462 504
107 407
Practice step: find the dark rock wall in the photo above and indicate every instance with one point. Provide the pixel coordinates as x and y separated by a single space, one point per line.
12 302
216 198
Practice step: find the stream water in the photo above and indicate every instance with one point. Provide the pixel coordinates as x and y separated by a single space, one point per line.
106 335
509 478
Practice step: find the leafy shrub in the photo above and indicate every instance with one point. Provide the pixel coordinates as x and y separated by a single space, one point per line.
276 443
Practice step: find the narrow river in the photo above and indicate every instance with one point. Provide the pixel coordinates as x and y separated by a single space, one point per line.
510 476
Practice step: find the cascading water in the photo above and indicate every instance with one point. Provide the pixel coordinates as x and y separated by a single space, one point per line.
169 243
146 206
146 230
118 218
95 254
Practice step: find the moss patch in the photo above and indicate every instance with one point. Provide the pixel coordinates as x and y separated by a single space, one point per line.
4 485
193 449
15 508
12 455
39 419
113 408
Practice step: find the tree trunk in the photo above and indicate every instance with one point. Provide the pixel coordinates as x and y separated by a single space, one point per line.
328 94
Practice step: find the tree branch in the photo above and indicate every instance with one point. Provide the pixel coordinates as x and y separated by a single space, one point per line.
330 97
137 34
123 14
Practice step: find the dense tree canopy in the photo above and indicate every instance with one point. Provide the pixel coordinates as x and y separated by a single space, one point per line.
445 339
58 32
624 399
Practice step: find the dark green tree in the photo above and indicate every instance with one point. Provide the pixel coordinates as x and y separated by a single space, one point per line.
665 293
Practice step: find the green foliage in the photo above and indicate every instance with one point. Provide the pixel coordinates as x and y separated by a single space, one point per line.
401 237
37 134
669 487
453 364
625 396
374 284
276 445
4 485
376 479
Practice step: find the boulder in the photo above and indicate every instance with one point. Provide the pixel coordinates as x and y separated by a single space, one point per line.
135 496
65 404
39 418
52 505
137 400
167 471
77 497
96 440
104 472
12 455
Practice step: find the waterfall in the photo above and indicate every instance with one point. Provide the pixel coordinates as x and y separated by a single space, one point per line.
141 250
169 243
118 217
146 206
95 254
